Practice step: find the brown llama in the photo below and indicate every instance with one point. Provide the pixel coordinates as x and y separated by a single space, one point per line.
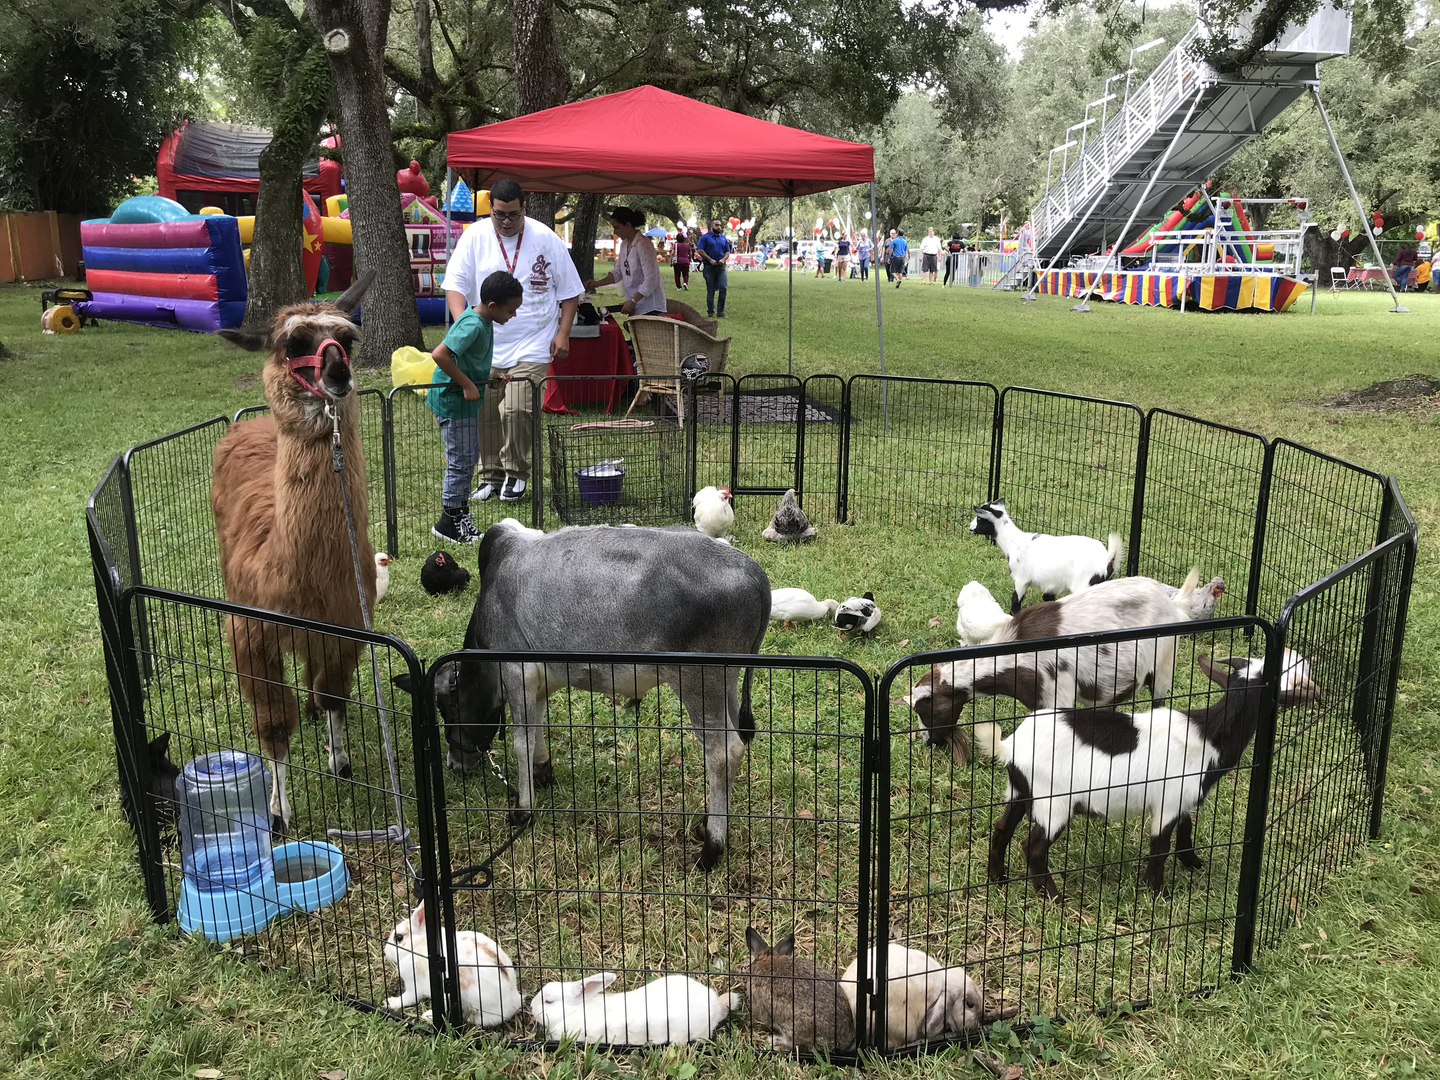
284 545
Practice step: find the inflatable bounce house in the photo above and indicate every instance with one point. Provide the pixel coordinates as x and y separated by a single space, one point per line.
205 164
153 262
1203 254
178 260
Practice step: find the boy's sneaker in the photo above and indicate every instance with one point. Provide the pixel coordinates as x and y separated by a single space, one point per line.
514 489
483 492
456 526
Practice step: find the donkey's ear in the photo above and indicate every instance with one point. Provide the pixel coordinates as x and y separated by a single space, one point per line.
249 340
350 299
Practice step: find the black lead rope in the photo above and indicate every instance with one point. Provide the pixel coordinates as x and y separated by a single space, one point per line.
395 834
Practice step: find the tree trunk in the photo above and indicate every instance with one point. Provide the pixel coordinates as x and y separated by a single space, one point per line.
276 277
586 222
355 32
542 81
1324 253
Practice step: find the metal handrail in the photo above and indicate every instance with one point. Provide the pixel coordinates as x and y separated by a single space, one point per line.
1126 131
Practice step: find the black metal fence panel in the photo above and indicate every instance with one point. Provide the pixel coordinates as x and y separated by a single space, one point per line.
823 471
1202 488
1327 773
604 876
918 451
339 884
614 472
1067 465
961 842
1320 513
174 527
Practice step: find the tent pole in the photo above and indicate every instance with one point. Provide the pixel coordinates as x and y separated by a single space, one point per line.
790 287
449 197
879 318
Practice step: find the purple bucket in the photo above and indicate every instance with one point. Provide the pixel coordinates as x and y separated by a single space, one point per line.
600 484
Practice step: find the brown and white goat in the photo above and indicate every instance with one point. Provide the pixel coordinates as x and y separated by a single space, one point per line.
284 545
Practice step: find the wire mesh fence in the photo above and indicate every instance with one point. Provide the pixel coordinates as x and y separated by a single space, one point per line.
854 823
605 876
917 451
323 901
968 837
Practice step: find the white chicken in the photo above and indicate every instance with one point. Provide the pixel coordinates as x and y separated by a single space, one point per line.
796 605
714 515
857 615
1202 601
382 575
980 617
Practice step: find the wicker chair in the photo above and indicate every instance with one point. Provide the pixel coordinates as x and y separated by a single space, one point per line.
692 316
660 344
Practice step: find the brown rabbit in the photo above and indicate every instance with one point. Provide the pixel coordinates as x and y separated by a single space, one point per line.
802 1005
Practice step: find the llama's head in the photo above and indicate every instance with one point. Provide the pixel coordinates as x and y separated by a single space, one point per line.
308 351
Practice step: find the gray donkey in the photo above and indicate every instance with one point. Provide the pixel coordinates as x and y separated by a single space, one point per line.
607 590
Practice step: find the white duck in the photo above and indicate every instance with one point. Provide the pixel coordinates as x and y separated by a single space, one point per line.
859 614
980 617
796 605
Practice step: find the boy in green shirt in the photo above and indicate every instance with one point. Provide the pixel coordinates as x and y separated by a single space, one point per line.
462 364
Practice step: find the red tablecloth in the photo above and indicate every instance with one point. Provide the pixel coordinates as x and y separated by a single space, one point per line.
606 355
1370 273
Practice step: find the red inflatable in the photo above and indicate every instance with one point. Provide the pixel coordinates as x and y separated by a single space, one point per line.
310 253
413 181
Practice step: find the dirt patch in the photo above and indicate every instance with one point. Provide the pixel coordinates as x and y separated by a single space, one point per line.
246 381
1411 393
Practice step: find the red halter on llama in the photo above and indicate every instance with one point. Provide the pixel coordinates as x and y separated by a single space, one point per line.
280 518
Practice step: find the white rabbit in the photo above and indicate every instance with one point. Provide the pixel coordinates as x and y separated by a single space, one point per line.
489 990
923 997
673 1009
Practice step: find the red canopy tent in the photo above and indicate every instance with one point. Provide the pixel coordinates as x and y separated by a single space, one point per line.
648 141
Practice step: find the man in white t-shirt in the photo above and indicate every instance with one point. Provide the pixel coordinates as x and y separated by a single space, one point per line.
524 346
930 257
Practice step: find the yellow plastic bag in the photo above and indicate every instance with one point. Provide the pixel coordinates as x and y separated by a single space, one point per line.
409 366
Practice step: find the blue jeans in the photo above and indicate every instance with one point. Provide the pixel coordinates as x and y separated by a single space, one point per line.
864 269
462 453
715 282
1402 276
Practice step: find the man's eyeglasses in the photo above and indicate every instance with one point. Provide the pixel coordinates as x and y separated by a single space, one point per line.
507 215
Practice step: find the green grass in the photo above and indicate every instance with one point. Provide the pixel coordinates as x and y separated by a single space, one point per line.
89 987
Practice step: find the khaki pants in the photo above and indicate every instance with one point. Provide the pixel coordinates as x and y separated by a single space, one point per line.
507 426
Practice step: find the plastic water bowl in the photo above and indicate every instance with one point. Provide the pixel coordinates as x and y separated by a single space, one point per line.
600 485
222 912
310 874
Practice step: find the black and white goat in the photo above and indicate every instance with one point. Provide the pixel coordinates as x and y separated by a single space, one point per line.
1103 763
1056 565
1094 674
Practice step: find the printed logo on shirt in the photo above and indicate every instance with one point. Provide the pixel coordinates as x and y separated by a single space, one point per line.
540 274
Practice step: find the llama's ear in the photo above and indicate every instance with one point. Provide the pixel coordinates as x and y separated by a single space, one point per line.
350 299
249 340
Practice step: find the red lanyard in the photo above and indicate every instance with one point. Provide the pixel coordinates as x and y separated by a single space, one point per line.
510 263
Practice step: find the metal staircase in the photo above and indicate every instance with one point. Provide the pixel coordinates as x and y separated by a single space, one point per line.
1187 120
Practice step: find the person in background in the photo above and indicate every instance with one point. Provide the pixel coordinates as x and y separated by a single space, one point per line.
682 260
714 248
899 253
1404 266
1422 273
886 251
863 250
842 257
637 267
953 249
929 256
822 258
524 346
462 367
